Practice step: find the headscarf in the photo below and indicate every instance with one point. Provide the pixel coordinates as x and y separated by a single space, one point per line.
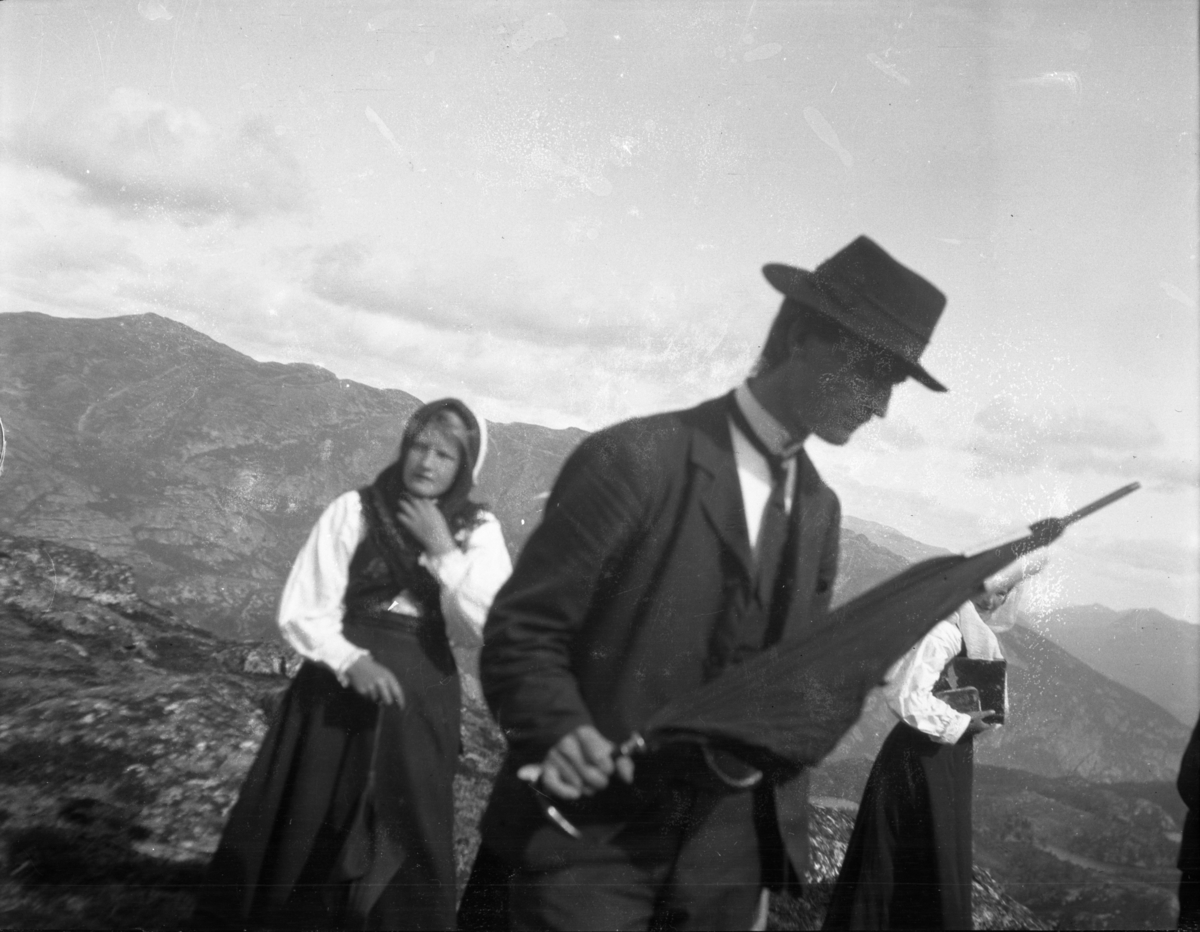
399 547
981 642
455 504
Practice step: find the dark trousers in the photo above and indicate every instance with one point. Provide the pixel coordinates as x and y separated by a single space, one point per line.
688 860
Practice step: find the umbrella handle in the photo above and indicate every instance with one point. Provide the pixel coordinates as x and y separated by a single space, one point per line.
531 776
634 744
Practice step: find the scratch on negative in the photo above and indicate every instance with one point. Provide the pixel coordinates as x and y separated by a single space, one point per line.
384 131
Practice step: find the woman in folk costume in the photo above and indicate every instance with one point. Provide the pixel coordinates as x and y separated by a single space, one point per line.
346 817
908 864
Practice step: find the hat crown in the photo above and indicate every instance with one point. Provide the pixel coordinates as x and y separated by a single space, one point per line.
864 271
866 291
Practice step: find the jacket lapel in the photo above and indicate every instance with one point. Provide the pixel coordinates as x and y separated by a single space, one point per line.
718 489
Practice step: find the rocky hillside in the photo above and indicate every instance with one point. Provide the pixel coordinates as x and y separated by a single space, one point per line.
1078 854
151 444
124 736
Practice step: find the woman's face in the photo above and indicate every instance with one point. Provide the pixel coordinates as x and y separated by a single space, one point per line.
431 464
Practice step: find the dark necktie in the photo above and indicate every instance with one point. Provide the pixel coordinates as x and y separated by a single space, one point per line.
770 578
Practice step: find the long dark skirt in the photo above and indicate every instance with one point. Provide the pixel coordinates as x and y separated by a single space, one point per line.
908 864
303 847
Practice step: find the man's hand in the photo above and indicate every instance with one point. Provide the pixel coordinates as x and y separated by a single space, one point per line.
423 518
374 681
979 722
582 763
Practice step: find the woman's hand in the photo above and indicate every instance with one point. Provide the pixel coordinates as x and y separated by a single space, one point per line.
374 681
423 518
979 723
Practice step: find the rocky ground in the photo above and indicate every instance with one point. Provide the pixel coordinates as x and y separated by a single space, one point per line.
125 733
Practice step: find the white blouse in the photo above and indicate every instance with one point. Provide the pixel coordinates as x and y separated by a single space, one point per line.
909 689
311 607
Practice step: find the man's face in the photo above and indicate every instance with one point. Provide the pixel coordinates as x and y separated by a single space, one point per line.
832 389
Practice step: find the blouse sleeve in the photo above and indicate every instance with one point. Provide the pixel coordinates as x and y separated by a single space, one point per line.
470 577
311 607
909 691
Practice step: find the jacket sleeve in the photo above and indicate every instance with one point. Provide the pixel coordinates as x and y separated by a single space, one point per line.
591 516
1188 781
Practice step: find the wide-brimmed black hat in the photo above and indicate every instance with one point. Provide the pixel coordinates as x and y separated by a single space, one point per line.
866 291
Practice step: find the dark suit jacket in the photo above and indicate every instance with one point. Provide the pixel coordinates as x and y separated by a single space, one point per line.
1188 784
610 610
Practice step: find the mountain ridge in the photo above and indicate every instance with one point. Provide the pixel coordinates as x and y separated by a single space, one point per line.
200 467
1142 648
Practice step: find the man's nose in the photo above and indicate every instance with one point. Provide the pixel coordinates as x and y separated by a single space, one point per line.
881 396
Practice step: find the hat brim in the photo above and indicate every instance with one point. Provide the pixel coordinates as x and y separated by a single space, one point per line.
797 284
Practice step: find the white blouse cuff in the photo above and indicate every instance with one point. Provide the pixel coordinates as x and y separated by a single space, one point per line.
955 729
346 661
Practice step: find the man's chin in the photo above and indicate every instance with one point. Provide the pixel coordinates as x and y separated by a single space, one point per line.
838 435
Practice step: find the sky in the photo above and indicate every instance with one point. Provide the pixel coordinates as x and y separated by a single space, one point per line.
559 212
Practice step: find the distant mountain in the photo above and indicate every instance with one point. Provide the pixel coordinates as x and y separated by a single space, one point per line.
1065 719
888 537
1149 652
149 443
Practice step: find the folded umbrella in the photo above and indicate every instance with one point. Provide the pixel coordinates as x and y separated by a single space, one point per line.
792 703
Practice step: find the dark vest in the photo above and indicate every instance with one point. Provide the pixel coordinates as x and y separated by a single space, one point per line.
372 586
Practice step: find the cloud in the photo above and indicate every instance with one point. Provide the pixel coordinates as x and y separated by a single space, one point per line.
1174 557
900 433
1108 429
138 155
532 343
497 299
1108 441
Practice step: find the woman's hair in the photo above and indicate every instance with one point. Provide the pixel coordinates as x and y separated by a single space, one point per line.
794 323
457 423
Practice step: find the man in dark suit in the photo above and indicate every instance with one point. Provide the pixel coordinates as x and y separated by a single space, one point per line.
672 547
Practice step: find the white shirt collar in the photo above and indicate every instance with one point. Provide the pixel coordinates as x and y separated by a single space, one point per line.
774 436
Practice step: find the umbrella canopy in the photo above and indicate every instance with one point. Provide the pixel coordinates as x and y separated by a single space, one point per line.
792 703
